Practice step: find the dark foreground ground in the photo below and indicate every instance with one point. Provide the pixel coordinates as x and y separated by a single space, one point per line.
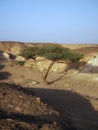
20 109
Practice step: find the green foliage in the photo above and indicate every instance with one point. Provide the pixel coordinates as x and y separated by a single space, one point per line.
27 53
52 52
21 62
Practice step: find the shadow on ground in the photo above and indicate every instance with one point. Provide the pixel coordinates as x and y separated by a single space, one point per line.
71 102
1 66
4 75
18 104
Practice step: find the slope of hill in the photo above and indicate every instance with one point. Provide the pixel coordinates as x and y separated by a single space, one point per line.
13 47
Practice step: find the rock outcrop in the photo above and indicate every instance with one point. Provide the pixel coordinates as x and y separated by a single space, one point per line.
91 65
59 67
42 64
30 64
4 56
19 58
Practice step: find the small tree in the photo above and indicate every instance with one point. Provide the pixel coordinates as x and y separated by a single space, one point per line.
53 53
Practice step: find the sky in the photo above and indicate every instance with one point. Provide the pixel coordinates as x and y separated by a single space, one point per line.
55 21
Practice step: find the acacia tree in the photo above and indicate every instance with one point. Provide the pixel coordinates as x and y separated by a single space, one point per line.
53 52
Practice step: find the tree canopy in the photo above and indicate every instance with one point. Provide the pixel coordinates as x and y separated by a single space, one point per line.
52 52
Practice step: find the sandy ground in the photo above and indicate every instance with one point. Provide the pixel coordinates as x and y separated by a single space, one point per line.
74 93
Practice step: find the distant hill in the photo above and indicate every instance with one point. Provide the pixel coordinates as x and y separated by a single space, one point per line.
15 47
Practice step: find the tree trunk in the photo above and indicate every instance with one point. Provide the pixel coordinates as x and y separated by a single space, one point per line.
47 72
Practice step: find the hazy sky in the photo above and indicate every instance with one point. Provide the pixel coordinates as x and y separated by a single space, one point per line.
60 21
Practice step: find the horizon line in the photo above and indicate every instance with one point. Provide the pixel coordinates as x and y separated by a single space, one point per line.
44 42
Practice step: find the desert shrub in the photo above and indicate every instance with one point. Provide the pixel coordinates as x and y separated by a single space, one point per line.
21 63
